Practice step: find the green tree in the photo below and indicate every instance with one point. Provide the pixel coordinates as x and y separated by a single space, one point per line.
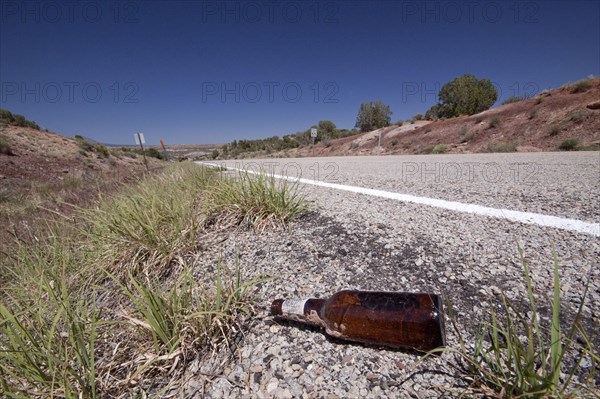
466 95
435 112
373 115
327 127
326 130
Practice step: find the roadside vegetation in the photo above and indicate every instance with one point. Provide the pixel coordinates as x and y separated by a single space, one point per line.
516 355
9 118
103 302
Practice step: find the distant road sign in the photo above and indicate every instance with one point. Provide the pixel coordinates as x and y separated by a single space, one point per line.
313 132
139 138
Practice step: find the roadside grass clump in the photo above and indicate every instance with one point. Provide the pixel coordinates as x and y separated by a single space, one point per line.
103 303
150 224
568 144
439 149
494 122
501 147
187 317
48 342
532 114
254 200
515 356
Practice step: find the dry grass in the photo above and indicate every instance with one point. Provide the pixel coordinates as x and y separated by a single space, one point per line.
103 303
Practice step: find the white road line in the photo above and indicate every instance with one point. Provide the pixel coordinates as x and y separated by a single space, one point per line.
539 219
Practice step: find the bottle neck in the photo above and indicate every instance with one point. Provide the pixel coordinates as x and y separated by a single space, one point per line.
303 310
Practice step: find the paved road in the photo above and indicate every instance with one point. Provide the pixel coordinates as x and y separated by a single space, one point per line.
369 242
559 184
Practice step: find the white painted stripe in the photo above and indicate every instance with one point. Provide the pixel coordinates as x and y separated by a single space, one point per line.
539 219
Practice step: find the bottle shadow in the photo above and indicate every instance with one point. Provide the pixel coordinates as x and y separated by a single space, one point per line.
340 341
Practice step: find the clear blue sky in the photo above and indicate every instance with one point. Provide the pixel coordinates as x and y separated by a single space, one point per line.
212 72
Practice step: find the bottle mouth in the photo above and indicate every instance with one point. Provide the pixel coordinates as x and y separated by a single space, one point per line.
276 307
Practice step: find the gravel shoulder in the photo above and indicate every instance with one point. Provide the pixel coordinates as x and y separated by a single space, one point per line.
360 242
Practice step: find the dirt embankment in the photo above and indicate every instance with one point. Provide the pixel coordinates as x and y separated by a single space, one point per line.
541 123
41 172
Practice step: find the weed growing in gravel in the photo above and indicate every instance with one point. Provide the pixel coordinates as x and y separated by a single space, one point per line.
188 317
514 356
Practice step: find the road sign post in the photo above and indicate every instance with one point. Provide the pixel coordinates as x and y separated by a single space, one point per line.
139 139
313 134
162 144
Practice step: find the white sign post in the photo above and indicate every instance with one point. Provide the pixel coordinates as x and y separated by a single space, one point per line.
139 138
313 134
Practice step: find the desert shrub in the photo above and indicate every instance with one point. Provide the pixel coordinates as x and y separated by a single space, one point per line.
394 142
532 114
84 144
16 120
399 122
215 154
467 137
581 86
101 150
553 131
417 117
539 100
494 122
353 145
568 144
578 115
439 149
502 147
5 147
513 99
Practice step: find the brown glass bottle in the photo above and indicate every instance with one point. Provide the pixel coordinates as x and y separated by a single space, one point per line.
397 319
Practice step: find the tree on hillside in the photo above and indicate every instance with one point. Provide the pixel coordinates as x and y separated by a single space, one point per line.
435 112
373 115
465 95
327 127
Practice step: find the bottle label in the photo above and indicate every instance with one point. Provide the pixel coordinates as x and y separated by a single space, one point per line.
293 306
